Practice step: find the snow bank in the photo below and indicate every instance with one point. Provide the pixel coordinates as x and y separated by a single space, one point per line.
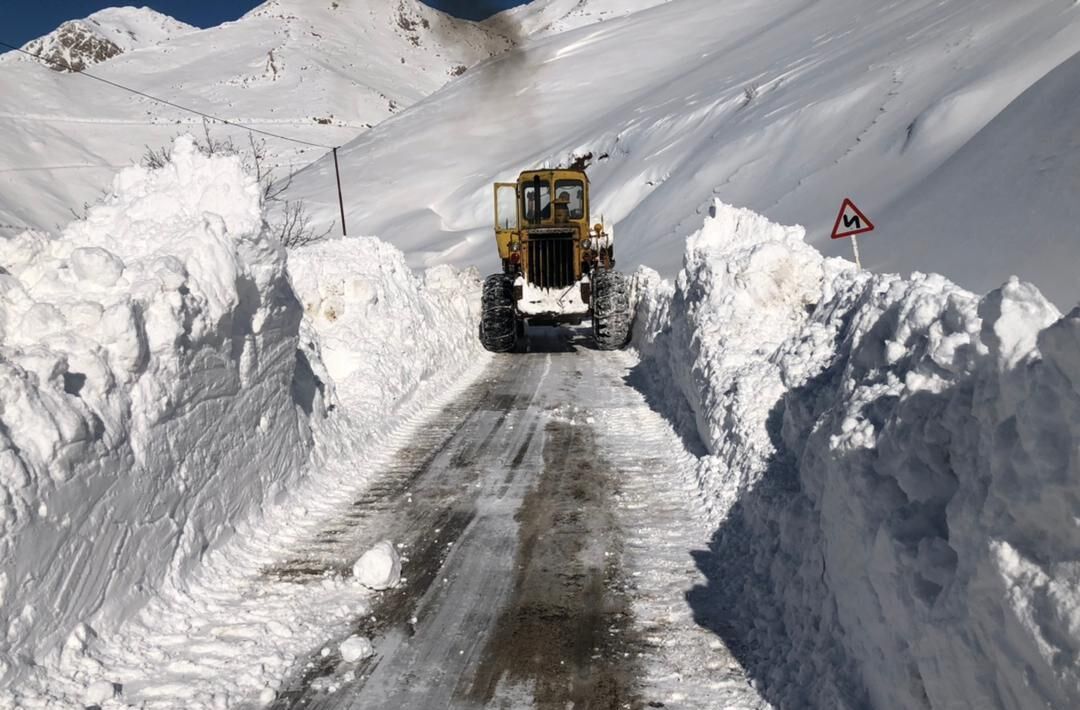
384 332
162 389
892 466
146 376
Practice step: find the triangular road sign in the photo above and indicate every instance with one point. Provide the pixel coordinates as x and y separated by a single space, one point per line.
850 221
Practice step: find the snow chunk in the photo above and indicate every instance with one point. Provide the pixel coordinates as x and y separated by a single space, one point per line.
99 692
1012 317
96 266
355 648
379 567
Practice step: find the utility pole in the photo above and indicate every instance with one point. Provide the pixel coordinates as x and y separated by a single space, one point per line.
341 200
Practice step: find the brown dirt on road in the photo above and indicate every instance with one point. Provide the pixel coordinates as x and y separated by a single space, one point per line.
566 631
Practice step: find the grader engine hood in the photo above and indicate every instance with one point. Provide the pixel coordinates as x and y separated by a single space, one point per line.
552 256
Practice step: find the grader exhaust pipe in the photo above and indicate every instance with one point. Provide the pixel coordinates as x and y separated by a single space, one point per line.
536 200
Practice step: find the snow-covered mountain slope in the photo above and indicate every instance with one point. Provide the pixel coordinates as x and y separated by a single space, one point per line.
785 107
1006 201
78 44
538 19
317 71
135 27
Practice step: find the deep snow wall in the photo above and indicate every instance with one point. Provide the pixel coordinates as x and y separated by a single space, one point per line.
385 332
892 467
147 358
371 347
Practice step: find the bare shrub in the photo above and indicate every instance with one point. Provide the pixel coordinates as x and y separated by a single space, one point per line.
750 94
155 158
287 220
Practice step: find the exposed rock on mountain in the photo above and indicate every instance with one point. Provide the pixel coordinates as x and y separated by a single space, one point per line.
79 44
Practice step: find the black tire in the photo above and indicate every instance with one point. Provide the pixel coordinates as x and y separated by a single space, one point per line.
611 314
498 317
522 336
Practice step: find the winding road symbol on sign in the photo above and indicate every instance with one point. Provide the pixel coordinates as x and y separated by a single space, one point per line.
850 221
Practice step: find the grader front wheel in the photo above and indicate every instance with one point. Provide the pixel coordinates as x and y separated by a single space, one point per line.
498 319
611 309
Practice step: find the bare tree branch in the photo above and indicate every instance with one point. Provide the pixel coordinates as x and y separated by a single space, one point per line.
288 221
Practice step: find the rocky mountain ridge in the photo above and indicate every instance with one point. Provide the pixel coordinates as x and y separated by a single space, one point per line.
79 44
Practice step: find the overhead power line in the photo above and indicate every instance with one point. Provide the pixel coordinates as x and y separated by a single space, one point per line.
333 149
167 102
50 168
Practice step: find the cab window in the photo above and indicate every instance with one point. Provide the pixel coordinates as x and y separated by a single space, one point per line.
573 193
506 216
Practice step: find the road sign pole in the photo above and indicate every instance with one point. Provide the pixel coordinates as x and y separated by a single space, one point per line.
850 223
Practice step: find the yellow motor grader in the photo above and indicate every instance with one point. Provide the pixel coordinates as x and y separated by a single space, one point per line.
556 268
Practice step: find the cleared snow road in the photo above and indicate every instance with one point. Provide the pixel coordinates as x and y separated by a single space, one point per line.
546 527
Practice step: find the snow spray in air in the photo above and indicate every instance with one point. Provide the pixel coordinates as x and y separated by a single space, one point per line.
505 76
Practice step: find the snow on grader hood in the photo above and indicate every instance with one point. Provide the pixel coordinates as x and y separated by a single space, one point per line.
556 266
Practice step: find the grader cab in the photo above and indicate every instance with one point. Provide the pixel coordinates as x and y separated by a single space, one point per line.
556 267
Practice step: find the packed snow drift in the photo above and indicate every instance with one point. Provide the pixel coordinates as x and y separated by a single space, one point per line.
167 421
147 359
892 467
383 330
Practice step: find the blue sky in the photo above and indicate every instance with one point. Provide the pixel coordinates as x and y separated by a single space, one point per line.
23 20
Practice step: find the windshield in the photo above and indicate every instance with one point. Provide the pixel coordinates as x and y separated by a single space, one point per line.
572 193
529 195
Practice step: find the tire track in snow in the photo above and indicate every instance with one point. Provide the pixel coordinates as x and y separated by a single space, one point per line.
684 665
426 501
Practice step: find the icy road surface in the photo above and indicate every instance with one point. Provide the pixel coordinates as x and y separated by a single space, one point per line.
542 518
